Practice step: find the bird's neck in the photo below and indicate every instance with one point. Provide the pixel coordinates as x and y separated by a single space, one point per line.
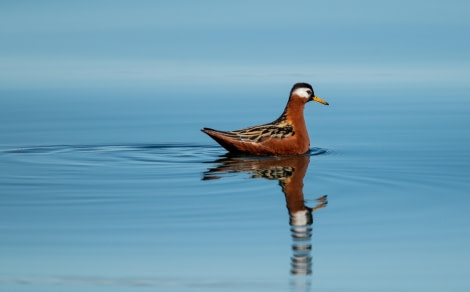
294 113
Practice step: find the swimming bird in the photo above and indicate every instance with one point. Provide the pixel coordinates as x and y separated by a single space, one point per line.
287 135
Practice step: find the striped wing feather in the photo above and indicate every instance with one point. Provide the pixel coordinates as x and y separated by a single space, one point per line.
260 133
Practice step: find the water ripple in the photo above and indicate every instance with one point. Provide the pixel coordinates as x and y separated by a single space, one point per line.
142 153
147 153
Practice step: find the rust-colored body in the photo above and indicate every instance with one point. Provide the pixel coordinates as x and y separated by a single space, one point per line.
287 135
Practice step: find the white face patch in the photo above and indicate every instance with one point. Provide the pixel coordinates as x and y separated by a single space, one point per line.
302 92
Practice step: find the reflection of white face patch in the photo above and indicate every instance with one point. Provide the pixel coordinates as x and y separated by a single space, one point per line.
299 218
302 92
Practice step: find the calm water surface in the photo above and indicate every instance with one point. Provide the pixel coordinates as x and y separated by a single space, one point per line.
104 190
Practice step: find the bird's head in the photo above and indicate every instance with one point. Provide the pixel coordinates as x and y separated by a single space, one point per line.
305 91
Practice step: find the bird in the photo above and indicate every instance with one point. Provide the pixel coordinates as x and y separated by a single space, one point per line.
287 135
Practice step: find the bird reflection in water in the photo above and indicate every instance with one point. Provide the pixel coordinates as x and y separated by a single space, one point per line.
289 171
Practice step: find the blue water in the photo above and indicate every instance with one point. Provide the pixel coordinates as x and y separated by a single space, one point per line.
107 183
108 190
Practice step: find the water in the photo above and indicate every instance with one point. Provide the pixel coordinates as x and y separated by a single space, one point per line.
105 190
107 183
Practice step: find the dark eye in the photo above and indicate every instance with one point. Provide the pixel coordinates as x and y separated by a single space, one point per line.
309 91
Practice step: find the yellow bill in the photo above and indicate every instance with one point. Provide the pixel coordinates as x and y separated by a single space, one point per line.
317 99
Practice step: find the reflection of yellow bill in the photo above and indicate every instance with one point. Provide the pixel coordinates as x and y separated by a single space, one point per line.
317 99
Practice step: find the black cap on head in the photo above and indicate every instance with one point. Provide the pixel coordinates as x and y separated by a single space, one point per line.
301 85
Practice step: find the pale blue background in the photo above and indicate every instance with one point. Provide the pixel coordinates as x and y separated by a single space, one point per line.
51 44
